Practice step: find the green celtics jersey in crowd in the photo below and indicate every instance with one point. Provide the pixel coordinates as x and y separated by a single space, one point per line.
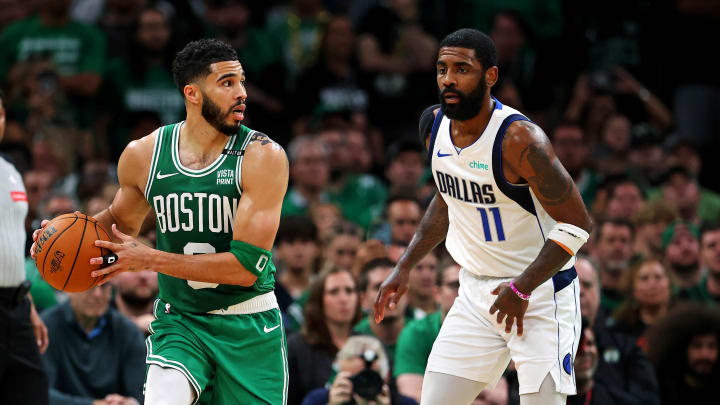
195 212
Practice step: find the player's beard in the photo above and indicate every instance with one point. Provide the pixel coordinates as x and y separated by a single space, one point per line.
215 117
469 105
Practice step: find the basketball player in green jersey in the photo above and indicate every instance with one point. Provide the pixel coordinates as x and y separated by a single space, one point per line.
216 188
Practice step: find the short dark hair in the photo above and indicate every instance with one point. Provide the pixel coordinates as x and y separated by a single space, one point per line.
372 265
473 39
194 60
296 227
616 222
709 226
402 197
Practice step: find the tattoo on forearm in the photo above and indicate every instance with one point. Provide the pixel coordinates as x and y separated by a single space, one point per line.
432 230
554 185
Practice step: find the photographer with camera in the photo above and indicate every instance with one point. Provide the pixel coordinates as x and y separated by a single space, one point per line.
363 372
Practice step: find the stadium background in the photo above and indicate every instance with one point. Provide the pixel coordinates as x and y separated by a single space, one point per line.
626 90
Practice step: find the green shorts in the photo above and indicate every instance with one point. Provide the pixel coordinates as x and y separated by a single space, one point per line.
228 359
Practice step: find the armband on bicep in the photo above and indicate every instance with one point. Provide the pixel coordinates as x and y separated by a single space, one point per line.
569 237
253 258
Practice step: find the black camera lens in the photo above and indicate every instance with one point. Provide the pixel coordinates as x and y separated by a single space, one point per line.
367 384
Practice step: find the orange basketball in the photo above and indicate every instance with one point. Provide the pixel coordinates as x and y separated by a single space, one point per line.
64 249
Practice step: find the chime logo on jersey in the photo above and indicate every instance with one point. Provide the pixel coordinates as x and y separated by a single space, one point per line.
198 212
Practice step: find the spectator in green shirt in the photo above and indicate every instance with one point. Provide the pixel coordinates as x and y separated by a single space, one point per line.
142 81
708 291
76 49
416 340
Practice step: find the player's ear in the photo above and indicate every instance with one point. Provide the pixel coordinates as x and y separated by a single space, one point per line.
491 76
192 93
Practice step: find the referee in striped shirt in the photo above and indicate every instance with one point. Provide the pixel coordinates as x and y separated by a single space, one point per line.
23 335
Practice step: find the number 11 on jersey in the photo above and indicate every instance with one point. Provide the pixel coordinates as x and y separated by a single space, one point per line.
486 223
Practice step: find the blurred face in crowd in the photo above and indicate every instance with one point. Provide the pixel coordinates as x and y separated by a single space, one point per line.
710 251
136 288
340 297
586 360
375 278
404 217
686 156
508 36
683 193
297 255
405 170
229 16
614 248
360 159
92 303
37 185
616 134
153 30
423 277
339 38
703 354
625 202
651 286
682 253
589 289
310 168
462 82
325 217
570 148
651 234
338 152
449 287
342 249
648 158
59 205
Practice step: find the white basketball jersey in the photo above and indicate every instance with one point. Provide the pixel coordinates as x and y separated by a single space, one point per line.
496 228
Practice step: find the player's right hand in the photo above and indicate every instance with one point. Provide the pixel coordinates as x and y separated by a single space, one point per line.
36 235
391 290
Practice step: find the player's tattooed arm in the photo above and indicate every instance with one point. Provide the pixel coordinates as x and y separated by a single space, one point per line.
263 140
528 156
431 231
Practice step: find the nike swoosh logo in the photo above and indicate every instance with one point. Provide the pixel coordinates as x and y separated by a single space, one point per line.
268 330
439 154
162 176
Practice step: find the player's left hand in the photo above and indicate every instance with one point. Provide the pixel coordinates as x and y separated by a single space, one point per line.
132 255
509 305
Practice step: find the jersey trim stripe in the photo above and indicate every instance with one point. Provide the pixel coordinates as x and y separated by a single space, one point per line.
174 146
433 134
518 193
238 164
154 160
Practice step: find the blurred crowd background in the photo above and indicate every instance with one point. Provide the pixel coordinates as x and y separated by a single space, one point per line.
627 91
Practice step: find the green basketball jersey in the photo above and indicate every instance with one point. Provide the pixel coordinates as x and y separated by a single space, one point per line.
195 212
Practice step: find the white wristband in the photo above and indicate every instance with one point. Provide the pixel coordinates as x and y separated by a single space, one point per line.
569 237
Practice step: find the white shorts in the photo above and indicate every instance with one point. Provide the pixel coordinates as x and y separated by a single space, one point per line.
472 345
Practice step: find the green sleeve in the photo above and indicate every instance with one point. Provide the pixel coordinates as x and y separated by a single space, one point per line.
94 52
412 350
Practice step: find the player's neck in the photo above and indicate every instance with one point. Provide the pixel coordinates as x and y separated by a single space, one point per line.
198 135
464 133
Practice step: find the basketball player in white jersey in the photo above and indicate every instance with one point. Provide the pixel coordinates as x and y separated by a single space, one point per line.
513 219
